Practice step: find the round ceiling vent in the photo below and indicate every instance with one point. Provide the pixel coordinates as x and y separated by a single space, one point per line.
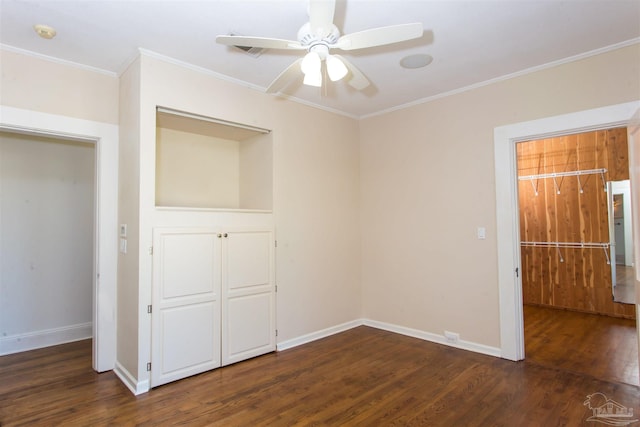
416 61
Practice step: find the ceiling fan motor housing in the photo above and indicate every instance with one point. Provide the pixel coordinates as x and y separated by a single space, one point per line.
318 37
323 36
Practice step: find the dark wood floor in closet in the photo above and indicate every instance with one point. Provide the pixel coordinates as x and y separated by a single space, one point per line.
364 377
591 344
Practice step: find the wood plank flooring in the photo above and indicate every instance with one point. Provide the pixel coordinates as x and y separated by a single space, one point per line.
362 377
625 288
592 344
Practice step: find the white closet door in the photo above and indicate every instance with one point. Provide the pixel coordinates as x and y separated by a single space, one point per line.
186 303
249 295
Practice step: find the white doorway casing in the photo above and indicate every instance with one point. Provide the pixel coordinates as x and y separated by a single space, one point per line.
105 138
507 210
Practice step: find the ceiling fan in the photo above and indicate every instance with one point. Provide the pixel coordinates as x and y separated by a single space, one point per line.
318 37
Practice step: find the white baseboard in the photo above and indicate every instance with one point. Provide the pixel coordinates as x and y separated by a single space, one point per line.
142 387
130 381
48 337
304 339
415 333
440 339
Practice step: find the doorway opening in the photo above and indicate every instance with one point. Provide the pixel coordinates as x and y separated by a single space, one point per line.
47 188
508 233
104 139
567 241
620 219
568 252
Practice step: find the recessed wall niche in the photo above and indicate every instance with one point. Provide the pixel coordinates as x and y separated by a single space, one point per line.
203 162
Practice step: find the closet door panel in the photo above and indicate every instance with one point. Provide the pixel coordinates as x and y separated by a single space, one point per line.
248 257
249 326
186 303
183 347
249 295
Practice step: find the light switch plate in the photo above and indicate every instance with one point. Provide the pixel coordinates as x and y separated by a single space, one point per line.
482 233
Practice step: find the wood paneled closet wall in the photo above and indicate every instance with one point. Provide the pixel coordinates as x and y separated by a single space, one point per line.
570 209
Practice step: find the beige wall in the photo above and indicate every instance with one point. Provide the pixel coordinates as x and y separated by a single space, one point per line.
32 83
427 180
128 213
316 195
316 187
256 172
374 218
317 208
196 170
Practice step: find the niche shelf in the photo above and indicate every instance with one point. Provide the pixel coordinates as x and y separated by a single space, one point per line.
204 163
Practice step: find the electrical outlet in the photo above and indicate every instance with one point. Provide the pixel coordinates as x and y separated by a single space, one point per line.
451 337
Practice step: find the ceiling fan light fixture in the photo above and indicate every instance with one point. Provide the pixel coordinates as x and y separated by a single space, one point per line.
311 63
313 79
335 68
320 35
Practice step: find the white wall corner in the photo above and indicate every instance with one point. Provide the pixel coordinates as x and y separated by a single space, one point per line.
313 336
435 338
136 387
415 333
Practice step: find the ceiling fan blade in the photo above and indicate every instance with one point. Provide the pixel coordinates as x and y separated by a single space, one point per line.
263 42
380 36
357 81
289 73
321 15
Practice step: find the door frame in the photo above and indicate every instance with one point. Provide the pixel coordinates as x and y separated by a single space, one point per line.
105 252
507 209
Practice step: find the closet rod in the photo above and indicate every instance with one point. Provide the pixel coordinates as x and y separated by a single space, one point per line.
559 174
585 245
574 245
210 119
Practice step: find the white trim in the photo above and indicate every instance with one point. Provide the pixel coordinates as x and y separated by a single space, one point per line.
435 338
415 333
313 336
174 112
130 381
507 77
220 76
224 77
160 57
105 137
507 225
45 338
30 53
318 106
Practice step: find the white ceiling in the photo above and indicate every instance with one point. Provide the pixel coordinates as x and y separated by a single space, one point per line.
471 41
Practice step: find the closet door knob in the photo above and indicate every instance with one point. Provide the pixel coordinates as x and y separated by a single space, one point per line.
226 235
219 235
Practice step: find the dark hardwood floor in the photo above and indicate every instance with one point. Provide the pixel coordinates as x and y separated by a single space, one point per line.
362 377
592 344
625 288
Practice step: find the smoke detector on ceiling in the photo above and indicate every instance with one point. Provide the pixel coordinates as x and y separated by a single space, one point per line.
45 31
